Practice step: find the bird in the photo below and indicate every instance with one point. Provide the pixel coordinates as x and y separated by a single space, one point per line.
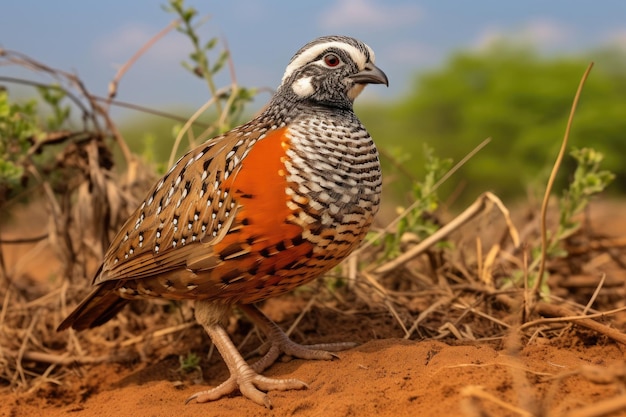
254 213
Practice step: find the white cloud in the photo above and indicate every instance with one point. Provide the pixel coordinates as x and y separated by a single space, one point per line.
546 32
616 38
369 14
542 33
116 48
409 53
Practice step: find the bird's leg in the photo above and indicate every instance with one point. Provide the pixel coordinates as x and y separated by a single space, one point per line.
280 342
250 383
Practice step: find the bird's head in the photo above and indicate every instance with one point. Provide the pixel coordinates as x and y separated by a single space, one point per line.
331 71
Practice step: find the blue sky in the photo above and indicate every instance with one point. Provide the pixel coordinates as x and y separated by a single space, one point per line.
93 39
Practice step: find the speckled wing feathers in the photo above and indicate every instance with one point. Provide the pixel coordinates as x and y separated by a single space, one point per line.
155 242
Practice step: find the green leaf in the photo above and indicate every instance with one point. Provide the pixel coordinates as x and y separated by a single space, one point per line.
219 64
211 44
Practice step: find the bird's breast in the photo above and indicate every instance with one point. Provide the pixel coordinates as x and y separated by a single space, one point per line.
306 197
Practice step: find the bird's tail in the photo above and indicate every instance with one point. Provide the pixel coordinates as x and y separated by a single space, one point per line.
96 309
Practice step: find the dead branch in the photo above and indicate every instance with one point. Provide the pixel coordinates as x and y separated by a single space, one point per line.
479 206
560 314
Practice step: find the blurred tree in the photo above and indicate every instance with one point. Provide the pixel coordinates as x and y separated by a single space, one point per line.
521 100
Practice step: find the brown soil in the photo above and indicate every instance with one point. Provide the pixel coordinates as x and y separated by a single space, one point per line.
572 371
390 377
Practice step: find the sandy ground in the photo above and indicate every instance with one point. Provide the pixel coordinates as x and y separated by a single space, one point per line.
576 373
390 377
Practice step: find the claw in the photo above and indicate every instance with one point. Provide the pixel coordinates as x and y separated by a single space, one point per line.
280 343
251 385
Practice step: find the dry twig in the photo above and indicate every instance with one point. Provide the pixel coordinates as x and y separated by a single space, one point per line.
479 206
546 198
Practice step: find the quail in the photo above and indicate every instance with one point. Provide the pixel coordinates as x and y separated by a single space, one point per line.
254 213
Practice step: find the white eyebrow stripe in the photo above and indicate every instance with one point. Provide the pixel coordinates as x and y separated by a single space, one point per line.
357 56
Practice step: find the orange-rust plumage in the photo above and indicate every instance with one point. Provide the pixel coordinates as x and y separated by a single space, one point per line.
255 212
272 242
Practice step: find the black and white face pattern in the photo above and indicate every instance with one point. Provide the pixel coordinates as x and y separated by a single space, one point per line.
322 71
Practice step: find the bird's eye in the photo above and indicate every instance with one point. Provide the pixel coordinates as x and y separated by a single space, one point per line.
331 60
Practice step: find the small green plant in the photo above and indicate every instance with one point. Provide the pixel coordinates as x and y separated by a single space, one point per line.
417 220
229 103
587 181
54 95
189 363
19 129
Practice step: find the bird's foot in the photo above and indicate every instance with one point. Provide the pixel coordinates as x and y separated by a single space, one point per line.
251 385
279 343
242 377
283 344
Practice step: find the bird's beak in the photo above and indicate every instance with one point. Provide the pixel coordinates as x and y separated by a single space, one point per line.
371 74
